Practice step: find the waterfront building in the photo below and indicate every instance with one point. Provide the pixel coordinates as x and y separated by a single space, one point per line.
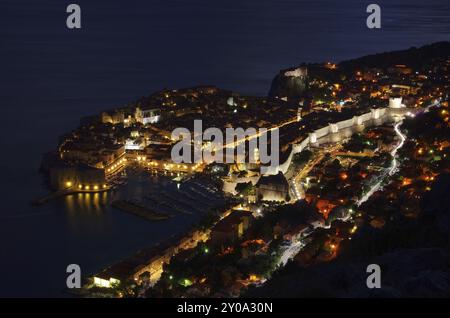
115 160
78 177
147 265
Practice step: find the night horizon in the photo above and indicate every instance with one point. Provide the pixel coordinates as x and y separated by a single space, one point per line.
231 150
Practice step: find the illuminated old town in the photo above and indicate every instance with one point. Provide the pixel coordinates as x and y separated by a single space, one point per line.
354 156
246 152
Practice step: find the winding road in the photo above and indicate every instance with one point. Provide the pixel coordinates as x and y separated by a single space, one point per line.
392 169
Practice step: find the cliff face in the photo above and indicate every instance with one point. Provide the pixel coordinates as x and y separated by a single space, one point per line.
289 83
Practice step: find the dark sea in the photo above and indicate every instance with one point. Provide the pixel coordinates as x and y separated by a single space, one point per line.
51 76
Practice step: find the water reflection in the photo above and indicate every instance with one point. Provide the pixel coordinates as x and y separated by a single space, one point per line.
92 203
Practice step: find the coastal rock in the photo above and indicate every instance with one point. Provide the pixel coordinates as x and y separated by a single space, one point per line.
291 83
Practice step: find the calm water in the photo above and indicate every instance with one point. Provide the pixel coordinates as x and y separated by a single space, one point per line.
51 76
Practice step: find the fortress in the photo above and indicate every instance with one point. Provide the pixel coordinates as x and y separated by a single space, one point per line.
298 72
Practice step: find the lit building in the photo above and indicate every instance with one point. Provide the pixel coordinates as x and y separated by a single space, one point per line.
395 102
272 188
78 177
231 228
298 72
105 282
151 116
135 144
113 117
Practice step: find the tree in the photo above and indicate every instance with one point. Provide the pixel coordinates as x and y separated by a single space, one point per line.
245 188
302 157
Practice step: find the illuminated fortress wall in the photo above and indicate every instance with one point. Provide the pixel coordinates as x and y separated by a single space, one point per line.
335 132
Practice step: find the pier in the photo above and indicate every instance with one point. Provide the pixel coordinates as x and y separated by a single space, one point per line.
60 193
